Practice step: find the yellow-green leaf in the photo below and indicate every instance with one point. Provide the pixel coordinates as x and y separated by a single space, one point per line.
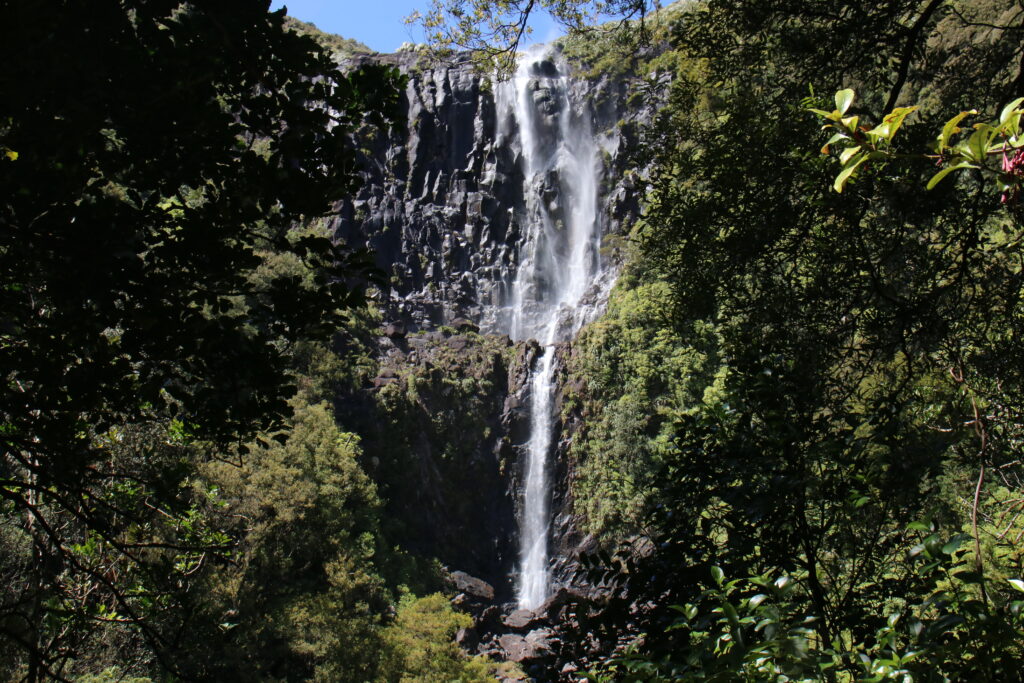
946 171
979 141
894 119
848 171
952 128
847 154
844 98
1009 109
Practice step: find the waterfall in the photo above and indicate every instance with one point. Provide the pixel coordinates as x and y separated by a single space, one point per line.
559 267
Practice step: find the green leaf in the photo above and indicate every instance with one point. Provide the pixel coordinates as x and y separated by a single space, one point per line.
952 128
915 626
979 141
892 122
730 613
954 544
832 140
946 623
718 575
1017 583
844 98
946 171
847 172
879 132
1011 127
1009 109
847 153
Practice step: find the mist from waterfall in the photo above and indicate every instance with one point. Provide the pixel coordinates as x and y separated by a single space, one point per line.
559 268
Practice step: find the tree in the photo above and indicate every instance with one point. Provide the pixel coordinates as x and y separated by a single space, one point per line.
494 29
155 154
303 597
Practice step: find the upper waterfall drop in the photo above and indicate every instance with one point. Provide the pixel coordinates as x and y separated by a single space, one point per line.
559 266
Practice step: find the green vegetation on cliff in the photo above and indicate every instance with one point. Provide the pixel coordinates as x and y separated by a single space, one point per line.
336 45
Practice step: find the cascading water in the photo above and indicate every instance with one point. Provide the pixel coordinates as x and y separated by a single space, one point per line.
559 267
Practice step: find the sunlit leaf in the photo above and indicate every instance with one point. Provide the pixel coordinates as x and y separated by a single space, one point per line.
847 172
978 143
952 127
935 179
844 98
893 120
1009 109
718 575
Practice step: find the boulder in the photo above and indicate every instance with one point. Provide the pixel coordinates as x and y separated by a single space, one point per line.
490 618
534 645
549 608
465 325
521 619
472 586
394 330
542 640
467 638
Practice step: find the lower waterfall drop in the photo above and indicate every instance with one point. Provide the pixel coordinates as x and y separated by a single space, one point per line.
533 556
559 266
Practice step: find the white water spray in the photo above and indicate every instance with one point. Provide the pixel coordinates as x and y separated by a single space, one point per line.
559 265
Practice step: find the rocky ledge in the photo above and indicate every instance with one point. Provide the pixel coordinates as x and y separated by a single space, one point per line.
549 643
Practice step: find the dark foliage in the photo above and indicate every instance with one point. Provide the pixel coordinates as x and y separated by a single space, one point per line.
865 339
154 155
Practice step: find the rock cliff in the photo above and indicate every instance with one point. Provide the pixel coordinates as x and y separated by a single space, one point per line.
441 202
443 208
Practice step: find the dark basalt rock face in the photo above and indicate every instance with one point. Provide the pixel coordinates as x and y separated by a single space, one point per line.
439 201
435 203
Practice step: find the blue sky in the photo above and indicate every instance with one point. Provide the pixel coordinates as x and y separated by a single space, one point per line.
377 23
